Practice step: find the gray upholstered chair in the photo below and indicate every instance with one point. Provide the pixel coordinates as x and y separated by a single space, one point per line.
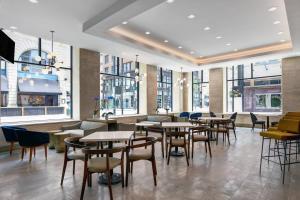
84 128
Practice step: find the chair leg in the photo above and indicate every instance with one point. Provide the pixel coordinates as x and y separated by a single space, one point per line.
261 154
162 148
186 155
127 170
192 149
122 173
109 185
205 147
234 132
131 167
228 137
63 171
73 167
83 183
22 153
154 170
209 149
11 147
30 154
284 161
34 151
46 150
169 154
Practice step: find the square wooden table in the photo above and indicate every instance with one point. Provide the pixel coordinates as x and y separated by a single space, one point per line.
110 137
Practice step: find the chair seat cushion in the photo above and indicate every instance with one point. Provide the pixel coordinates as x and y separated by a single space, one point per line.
279 135
98 164
75 155
140 154
177 142
74 132
200 138
273 129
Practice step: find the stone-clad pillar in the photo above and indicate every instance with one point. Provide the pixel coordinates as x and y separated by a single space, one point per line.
216 90
89 78
290 86
151 89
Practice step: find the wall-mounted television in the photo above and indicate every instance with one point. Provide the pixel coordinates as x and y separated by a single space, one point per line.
7 47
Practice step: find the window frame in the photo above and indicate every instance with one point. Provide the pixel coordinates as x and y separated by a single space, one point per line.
162 82
200 85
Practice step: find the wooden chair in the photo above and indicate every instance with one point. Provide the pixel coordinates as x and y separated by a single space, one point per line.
232 124
137 152
221 127
73 152
200 134
178 139
256 121
101 165
11 136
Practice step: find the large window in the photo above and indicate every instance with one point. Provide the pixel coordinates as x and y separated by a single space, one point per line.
254 87
118 85
201 91
164 90
31 89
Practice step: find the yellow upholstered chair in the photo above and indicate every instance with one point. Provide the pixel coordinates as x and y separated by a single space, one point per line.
288 130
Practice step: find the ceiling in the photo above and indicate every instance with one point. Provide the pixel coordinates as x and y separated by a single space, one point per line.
91 24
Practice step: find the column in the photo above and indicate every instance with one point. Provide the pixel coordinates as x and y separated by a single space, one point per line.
151 89
216 90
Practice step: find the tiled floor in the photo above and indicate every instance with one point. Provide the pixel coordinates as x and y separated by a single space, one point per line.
232 173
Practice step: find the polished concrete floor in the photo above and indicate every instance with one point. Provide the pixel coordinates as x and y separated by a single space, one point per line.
232 173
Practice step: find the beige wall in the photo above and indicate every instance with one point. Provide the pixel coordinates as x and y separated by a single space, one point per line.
290 84
151 89
216 90
143 88
89 81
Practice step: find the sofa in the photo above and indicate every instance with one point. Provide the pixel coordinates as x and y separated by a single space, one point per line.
84 128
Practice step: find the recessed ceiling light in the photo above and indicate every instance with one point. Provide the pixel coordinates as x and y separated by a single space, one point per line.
228 44
147 33
276 22
191 16
179 47
125 22
13 27
272 9
200 56
235 49
219 37
33 1
280 33
170 1
192 52
166 41
282 40
207 28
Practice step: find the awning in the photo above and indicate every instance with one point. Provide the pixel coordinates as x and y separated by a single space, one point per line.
4 84
38 86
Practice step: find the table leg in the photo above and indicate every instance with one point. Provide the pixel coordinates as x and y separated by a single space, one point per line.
268 122
115 177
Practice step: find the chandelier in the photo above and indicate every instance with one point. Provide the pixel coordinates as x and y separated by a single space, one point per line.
182 81
51 57
138 77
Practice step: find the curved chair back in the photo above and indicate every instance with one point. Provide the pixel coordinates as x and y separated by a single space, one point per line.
10 133
185 115
212 114
233 116
253 117
195 115
32 138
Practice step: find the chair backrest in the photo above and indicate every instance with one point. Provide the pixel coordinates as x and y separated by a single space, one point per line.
253 117
126 127
293 114
142 142
195 115
184 115
233 116
32 138
212 114
158 118
291 126
74 142
86 125
10 133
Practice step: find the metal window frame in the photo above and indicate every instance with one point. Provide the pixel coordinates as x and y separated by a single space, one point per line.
200 86
167 83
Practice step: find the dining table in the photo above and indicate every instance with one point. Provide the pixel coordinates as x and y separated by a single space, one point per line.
268 115
176 126
146 125
110 137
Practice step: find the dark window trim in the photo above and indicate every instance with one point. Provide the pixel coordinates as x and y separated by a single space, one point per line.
165 82
200 86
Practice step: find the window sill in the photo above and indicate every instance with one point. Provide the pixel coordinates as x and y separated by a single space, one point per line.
36 122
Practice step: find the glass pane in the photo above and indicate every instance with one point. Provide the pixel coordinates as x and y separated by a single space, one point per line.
129 96
108 64
205 75
127 68
197 77
267 68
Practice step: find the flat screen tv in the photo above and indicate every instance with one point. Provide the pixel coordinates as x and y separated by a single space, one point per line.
7 48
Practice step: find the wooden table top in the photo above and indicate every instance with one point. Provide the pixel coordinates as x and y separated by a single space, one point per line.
147 123
212 118
107 136
177 125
